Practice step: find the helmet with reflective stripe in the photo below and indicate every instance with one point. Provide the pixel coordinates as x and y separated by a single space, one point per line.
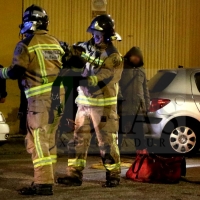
104 23
34 18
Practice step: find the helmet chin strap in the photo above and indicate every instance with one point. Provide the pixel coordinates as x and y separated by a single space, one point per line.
29 26
116 37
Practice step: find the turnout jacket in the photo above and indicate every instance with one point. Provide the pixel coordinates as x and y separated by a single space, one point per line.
37 62
103 71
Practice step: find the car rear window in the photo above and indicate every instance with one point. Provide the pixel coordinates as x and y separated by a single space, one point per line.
197 80
161 81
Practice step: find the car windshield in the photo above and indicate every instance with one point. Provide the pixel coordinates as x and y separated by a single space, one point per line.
161 81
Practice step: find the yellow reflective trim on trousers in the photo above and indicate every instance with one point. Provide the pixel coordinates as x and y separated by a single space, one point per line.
46 46
43 162
91 59
111 167
37 143
115 144
46 160
5 73
95 101
42 66
76 163
39 90
42 159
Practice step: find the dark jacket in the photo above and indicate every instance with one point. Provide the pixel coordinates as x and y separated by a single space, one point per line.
134 90
3 92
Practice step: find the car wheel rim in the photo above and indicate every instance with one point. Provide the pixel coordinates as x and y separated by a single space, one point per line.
182 139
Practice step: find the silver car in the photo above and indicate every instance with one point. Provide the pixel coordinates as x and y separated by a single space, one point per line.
174 114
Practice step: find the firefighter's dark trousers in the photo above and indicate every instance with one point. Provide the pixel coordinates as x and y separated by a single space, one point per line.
104 122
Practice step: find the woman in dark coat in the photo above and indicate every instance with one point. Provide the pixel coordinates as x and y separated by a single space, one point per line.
135 97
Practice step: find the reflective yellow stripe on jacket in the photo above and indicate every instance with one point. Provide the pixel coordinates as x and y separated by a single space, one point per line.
45 46
83 100
5 73
42 66
38 90
38 49
91 59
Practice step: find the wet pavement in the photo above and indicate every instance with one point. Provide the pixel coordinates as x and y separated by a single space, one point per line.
16 171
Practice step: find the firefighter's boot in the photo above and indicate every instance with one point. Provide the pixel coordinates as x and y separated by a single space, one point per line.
37 189
111 181
70 181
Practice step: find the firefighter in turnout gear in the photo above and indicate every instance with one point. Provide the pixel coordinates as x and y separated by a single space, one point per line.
37 62
97 100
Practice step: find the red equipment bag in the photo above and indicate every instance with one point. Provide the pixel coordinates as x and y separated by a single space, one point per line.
152 168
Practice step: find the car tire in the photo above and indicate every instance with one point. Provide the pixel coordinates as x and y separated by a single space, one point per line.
180 136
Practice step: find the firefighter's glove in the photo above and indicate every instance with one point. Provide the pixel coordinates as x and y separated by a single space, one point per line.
65 47
92 81
78 50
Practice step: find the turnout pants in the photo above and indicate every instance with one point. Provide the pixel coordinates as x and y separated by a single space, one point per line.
42 124
104 122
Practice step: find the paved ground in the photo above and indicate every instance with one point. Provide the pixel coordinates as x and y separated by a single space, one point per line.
16 171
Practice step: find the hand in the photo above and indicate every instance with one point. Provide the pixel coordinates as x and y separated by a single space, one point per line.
65 47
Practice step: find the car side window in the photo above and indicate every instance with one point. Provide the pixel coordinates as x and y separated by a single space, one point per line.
197 80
